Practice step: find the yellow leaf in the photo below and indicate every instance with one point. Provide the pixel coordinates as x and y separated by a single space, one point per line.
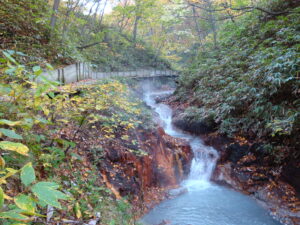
15 147
77 210
11 170
2 180
2 163
47 164
7 197
46 111
9 174
25 202
10 123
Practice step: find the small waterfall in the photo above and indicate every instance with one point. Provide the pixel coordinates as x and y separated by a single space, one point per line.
205 157
203 165
205 203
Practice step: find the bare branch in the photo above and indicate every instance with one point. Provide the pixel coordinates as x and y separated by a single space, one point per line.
246 8
89 45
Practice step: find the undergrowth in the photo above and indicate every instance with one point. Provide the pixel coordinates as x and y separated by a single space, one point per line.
44 172
250 83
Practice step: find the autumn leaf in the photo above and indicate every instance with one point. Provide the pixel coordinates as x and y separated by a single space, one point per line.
15 147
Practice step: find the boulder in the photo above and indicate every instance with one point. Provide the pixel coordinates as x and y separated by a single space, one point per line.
173 193
291 174
162 98
204 126
236 152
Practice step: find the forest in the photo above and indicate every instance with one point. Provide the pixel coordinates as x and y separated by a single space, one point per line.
113 150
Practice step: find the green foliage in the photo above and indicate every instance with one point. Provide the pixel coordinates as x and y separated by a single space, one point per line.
47 193
25 28
10 133
25 202
1 197
27 174
117 52
98 200
250 83
31 145
21 111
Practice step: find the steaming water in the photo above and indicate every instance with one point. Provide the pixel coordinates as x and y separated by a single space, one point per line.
204 203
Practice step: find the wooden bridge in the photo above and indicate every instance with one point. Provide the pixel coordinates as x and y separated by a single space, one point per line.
82 71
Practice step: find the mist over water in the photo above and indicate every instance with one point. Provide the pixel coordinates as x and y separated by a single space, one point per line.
204 203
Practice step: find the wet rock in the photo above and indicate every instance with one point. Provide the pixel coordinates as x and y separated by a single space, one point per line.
242 176
247 160
217 141
223 175
162 98
165 222
173 193
259 177
236 152
194 127
291 174
258 149
113 156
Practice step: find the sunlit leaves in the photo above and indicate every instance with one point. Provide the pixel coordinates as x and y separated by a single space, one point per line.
49 66
2 163
15 147
25 202
26 105
10 123
10 172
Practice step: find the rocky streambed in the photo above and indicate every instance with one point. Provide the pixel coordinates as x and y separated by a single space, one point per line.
172 159
245 167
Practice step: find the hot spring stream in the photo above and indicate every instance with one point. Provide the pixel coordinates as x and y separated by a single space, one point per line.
204 203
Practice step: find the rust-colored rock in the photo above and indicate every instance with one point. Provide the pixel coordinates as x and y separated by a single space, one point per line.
146 177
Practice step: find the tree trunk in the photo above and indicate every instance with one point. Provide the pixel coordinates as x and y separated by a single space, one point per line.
54 16
136 21
103 11
196 23
214 29
212 21
135 28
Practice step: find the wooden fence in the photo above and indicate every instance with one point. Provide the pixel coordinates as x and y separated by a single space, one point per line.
83 71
